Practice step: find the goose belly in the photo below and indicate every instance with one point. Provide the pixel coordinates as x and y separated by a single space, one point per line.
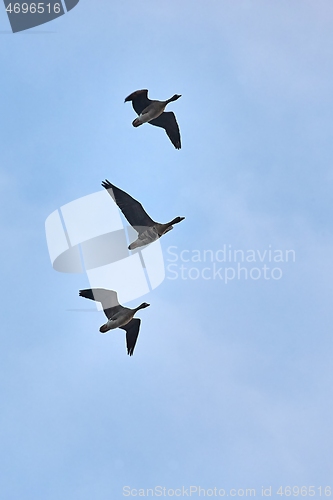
145 238
115 323
151 115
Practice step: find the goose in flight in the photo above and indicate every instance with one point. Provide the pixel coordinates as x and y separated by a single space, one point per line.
118 316
147 229
153 113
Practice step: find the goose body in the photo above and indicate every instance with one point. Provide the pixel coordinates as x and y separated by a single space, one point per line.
148 230
152 111
118 316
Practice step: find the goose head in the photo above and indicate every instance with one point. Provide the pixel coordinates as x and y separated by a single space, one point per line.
143 305
169 225
174 98
176 220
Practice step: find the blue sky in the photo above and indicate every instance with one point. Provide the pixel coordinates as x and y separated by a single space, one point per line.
230 384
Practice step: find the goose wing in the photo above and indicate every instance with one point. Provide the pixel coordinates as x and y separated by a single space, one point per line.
131 208
167 120
139 100
108 299
132 331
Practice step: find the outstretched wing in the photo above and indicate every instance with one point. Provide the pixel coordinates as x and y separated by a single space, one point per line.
132 331
131 208
108 299
167 120
139 100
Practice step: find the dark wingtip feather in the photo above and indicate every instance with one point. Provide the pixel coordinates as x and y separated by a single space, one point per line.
135 94
106 184
87 293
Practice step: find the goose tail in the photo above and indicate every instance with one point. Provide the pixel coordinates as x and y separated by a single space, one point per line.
136 122
104 328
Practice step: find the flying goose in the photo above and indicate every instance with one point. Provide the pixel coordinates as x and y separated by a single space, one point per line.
136 215
153 113
118 316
